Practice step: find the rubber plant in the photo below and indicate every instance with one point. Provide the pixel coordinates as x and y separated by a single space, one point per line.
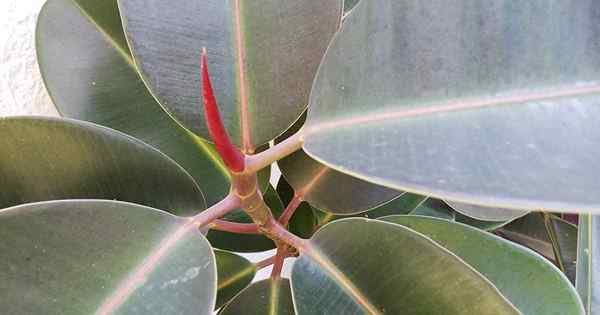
429 151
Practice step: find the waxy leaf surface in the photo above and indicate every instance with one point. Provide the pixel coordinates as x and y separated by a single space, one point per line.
263 56
532 283
361 266
77 257
493 104
234 274
272 297
51 158
90 75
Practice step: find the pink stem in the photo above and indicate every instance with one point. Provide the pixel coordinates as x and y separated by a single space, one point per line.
289 211
234 227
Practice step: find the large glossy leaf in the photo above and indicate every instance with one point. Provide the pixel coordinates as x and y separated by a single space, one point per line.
484 103
361 266
90 75
529 281
49 158
234 274
86 257
264 55
588 263
486 213
327 189
266 297
548 235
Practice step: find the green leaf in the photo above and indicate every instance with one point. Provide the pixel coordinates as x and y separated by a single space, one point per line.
548 235
48 159
491 104
360 266
234 274
529 281
273 297
246 242
81 257
263 56
90 75
327 189
349 5
486 213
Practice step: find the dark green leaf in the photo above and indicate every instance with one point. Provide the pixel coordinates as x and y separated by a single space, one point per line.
361 266
268 297
529 281
548 235
77 257
49 158
90 75
234 274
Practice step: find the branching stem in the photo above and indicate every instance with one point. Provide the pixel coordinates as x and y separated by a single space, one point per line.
218 210
256 162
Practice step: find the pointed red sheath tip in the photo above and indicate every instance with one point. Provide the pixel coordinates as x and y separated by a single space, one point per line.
232 157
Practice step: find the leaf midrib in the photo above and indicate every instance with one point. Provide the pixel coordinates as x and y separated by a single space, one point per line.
453 106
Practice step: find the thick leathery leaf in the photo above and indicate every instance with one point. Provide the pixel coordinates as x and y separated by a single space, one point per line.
96 256
529 281
327 189
548 235
50 158
272 297
486 213
234 274
246 242
90 75
414 274
263 58
462 102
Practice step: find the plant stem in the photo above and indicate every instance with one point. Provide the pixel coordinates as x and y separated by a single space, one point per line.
234 227
265 263
256 162
282 250
216 211
289 211
279 233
